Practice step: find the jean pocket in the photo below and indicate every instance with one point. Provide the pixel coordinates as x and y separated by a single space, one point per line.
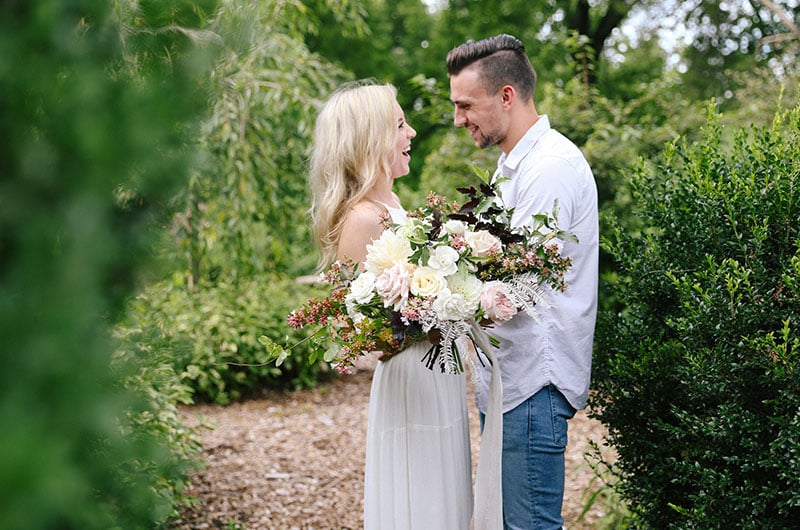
561 412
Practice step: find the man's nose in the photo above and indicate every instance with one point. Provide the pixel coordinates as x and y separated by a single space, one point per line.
458 118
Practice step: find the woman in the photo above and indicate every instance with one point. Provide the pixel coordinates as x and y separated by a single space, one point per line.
418 466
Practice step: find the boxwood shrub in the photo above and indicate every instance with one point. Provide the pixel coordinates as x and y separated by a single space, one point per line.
697 371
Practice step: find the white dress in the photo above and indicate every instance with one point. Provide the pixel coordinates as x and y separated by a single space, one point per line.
418 465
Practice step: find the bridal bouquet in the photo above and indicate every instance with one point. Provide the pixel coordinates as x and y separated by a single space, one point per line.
429 277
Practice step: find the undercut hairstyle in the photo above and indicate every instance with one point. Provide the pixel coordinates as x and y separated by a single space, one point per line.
499 61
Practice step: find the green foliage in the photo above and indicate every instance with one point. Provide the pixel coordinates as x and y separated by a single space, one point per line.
633 70
601 490
697 375
143 363
374 38
735 37
89 156
214 334
760 88
243 214
245 209
243 219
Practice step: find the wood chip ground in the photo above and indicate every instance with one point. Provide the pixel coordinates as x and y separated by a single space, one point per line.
295 461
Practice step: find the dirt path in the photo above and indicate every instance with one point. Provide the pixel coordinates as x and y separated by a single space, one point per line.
295 461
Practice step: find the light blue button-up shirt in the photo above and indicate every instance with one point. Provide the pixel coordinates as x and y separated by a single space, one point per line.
543 166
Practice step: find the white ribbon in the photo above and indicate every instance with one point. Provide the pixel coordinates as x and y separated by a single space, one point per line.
488 511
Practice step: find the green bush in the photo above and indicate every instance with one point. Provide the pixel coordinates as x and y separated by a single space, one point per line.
143 365
88 159
215 330
697 372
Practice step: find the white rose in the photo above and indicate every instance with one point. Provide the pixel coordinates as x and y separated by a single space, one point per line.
363 288
454 227
483 243
444 259
384 252
392 285
427 281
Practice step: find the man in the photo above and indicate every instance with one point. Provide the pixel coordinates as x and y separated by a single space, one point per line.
545 364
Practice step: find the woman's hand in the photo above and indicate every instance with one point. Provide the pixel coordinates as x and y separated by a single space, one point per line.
388 351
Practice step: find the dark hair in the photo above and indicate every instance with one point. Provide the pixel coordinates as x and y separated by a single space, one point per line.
500 60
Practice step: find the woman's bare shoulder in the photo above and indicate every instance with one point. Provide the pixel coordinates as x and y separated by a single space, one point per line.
364 214
362 225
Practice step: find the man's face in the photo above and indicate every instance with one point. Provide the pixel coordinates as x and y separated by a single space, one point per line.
476 110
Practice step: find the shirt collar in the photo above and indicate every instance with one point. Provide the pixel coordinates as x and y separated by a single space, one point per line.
508 164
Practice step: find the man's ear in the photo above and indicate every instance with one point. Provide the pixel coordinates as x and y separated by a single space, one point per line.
507 96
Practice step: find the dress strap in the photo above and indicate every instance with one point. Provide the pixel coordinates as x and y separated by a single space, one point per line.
398 215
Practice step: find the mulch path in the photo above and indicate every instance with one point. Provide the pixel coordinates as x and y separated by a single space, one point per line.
294 461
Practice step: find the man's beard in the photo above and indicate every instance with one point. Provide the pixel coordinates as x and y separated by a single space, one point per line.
489 140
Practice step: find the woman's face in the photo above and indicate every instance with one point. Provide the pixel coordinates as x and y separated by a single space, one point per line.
401 156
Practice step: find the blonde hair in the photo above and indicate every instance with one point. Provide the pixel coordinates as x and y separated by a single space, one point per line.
353 143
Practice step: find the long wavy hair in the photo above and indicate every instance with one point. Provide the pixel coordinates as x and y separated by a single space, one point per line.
354 140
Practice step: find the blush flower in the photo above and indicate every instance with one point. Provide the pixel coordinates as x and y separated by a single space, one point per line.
483 244
393 284
497 303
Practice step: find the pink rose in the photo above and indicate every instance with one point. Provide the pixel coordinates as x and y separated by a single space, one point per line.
497 303
392 285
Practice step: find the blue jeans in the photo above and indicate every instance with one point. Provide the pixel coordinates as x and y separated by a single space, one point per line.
534 441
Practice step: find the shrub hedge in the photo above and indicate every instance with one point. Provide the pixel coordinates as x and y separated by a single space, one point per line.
697 372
